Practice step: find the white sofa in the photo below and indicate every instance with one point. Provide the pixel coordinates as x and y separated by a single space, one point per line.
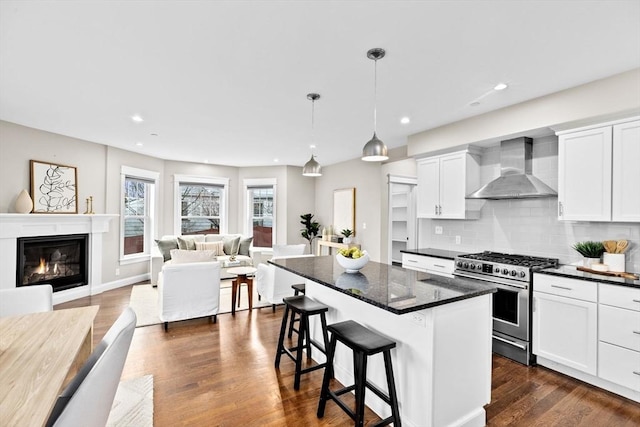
274 283
188 291
158 259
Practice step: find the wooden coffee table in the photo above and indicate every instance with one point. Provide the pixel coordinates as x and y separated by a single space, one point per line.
242 276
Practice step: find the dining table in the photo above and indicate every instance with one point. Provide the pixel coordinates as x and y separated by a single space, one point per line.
39 354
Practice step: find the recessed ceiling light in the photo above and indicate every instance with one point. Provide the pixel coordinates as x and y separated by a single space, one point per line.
206 160
276 160
405 120
475 103
312 146
139 144
137 118
154 134
500 86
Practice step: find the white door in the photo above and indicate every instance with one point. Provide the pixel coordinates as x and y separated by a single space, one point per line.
584 175
428 187
565 331
452 186
625 204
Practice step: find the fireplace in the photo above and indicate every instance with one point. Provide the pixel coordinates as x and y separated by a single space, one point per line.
60 261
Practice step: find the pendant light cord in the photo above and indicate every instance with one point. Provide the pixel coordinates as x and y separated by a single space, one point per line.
375 96
313 110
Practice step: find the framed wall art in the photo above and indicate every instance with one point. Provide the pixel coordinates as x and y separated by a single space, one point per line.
54 188
344 210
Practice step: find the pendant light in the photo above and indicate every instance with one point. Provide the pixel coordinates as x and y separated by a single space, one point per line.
375 150
312 167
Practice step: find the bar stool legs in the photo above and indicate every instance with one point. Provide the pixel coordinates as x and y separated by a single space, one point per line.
363 342
304 307
298 289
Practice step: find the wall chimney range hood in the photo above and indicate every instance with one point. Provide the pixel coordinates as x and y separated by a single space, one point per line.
515 180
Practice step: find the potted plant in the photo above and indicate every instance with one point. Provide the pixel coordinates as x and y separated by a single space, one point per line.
347 235
310 230
591 251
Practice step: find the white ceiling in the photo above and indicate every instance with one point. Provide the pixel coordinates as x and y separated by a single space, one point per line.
226 81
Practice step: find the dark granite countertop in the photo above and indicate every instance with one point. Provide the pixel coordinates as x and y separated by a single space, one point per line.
571 272
391 288
436 253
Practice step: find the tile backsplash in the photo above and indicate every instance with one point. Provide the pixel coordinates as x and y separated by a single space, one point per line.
527 226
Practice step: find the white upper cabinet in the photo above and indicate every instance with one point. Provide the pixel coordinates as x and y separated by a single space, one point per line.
598 173
443 183
626 172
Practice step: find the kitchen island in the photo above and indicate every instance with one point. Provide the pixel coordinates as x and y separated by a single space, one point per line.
442 327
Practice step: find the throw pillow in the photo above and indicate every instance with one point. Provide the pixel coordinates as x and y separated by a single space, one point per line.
165 247
216 247
244 245
186 243
230 245
184 256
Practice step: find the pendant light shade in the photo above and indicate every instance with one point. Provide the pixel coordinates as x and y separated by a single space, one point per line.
312 167
375 150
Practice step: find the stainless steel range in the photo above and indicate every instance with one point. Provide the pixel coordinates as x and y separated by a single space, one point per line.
512 274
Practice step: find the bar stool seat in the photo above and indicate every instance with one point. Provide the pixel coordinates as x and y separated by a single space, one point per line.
363 342
303 307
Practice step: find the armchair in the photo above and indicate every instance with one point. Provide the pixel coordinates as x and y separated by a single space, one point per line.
273 283
188 291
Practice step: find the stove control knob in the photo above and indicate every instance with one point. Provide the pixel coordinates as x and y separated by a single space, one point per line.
465 265
505 271
459 264
478 267
522 274
513 272
472 266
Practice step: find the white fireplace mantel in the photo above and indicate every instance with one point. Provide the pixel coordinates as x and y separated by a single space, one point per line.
13 226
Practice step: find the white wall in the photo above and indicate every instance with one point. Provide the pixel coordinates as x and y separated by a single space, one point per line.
527 226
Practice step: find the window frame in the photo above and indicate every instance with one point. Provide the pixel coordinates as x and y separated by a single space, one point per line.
151 207
200 180
248 184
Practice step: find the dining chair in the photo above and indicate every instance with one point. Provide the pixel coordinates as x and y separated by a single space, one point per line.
25 300
88 398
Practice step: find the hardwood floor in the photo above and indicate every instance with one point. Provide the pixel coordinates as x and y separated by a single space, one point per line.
222 374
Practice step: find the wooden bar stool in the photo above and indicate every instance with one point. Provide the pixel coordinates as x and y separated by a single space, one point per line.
304 307
364 343
298 288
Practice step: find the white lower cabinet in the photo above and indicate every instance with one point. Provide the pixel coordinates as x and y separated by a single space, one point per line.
564 327
588 330
619 335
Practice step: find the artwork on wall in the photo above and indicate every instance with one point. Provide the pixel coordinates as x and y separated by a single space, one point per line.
53 188
344 210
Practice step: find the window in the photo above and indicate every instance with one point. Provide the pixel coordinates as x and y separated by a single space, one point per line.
261 212
201 204
137 212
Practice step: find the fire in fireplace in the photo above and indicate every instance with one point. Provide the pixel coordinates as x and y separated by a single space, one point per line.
61 261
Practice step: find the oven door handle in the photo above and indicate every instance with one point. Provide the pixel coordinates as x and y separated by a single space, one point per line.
515 344
490 279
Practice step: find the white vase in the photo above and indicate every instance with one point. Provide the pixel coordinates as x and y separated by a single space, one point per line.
615 262
24 204
346 240
587 262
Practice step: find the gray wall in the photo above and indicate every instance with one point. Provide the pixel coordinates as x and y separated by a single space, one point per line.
99 169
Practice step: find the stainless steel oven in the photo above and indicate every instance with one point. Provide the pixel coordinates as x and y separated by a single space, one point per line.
512 275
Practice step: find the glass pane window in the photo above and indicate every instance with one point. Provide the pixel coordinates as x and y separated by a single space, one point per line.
200 207
261 201
137 194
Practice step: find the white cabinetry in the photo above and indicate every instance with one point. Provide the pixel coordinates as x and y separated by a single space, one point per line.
402 216
588 330
428 264
619 336
598 171
565 315
443 183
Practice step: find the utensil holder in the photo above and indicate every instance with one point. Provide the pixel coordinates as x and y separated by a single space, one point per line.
614 261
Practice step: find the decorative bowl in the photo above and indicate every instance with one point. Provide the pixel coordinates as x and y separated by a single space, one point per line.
353 265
